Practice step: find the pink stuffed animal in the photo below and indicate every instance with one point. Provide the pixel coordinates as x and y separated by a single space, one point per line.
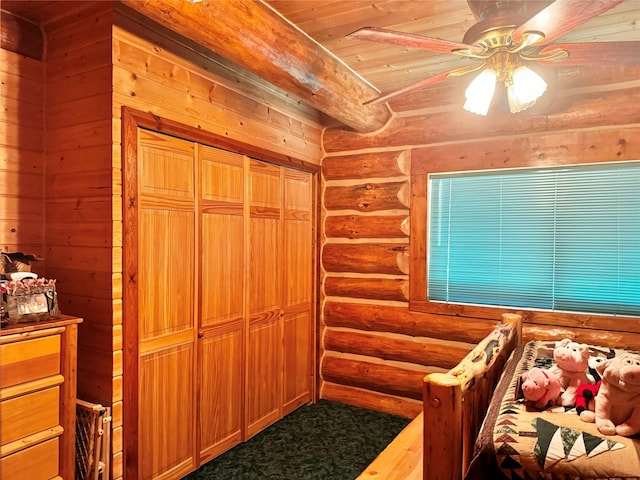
572 362
617 409
540 387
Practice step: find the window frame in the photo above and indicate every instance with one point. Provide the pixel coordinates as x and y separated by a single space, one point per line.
438 160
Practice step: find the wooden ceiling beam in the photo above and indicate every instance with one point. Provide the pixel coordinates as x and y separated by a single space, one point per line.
20 36
254 36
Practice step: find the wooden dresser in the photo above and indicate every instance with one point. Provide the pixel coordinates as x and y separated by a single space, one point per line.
38 399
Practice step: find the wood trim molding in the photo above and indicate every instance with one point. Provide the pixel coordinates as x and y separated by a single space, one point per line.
21 36
499 154
130 123
159 124
132 120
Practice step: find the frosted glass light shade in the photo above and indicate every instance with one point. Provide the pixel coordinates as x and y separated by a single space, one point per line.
526 88
480 91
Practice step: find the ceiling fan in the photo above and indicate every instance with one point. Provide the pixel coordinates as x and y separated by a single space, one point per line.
508 36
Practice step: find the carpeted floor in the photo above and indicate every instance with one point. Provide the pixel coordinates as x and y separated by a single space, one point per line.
325 441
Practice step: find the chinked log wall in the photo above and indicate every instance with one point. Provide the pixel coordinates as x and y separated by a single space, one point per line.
375 350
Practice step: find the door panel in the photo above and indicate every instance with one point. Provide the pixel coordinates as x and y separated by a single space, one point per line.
222 329
298 290
166 417
221 391
165 269
264 299
264 373
222 268
297 360
167 244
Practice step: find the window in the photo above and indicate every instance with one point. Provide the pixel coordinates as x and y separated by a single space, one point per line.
558 239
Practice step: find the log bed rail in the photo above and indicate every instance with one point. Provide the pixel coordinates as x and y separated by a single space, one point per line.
438 443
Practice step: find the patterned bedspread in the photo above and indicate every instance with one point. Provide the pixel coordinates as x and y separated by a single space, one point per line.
518 442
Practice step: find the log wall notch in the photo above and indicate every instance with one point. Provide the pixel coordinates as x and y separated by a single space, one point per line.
374 354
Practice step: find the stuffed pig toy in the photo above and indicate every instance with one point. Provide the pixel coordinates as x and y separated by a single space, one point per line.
617 409
540 387
572 362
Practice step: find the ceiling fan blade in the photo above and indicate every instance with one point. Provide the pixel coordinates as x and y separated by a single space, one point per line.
456 72
603 53
561 17
402 39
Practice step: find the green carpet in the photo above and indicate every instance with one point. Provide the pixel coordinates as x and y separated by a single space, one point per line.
324 441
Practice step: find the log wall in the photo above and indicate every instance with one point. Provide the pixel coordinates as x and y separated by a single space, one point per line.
374 346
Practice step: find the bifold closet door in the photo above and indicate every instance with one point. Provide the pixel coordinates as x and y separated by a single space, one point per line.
264 287
298 289
222 325
166 318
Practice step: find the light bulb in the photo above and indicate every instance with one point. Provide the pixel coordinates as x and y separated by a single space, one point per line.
526 87
480 91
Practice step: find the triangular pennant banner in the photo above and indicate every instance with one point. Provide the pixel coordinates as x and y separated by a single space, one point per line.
506 449
506 438
569 437
546 432
578 449
505 429
509 463
555 443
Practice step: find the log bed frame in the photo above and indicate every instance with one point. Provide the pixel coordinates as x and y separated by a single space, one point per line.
438 444
455 403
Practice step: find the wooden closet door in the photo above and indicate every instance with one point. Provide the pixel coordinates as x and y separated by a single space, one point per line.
264 280
222 325
298 290
166 299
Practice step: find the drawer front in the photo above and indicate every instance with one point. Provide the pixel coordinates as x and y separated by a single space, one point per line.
29 414
29 360
39 462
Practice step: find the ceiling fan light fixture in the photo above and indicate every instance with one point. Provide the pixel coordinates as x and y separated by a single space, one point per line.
480 91
524 89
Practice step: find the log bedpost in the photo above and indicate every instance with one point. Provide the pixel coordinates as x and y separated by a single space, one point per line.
456 402
442 397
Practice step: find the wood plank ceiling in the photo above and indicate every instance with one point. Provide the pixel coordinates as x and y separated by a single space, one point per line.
389 67
385 67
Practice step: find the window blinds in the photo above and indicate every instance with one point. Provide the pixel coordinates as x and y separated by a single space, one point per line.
565 239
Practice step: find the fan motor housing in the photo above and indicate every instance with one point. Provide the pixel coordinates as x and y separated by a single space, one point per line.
497 20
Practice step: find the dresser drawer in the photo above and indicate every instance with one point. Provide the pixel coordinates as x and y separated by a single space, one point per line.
29 360
29 414
39 462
